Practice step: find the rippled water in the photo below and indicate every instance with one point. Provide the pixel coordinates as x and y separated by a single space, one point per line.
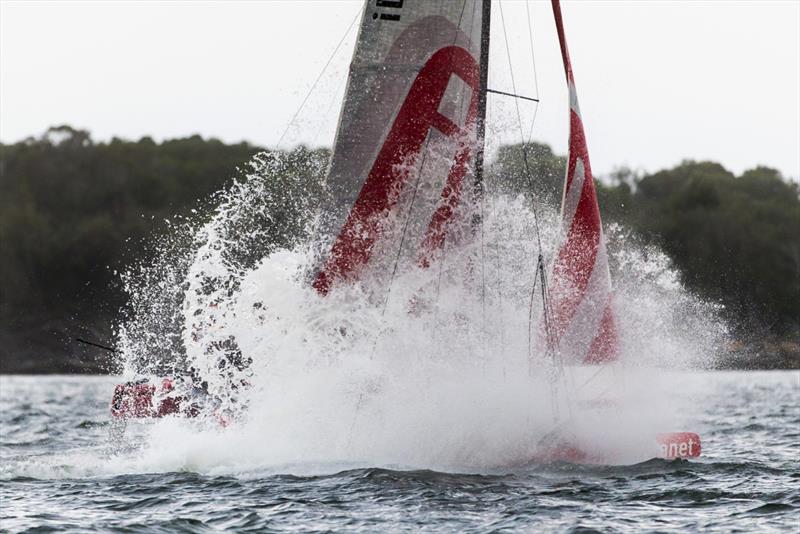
57 473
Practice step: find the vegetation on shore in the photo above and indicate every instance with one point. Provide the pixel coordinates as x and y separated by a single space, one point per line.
735 239
74 213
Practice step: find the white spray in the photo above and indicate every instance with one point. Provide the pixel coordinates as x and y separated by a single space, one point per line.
452 383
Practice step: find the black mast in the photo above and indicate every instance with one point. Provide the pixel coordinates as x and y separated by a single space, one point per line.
482 87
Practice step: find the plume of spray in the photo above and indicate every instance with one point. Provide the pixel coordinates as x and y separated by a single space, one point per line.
440 372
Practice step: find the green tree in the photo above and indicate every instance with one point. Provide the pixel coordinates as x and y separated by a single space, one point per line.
72 212
531 169
735 239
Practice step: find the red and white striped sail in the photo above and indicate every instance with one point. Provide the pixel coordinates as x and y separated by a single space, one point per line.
405 150
584 328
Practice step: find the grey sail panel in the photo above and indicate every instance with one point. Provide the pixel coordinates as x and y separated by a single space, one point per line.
404 153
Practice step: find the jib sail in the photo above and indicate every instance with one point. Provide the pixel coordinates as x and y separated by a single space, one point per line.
583 318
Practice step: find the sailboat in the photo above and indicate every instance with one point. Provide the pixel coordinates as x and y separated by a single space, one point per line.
406 182
414 111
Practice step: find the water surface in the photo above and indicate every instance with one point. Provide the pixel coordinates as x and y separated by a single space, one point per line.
56 472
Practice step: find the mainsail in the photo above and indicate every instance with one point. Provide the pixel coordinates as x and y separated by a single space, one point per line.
584 328
407 137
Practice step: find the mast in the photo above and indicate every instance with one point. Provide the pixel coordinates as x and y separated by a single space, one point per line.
482 87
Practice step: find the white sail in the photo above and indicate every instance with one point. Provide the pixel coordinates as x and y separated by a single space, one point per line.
406 146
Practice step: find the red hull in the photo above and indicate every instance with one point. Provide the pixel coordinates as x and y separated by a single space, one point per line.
142 400
671 446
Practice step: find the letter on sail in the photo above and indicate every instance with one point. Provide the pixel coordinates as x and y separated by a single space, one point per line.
404 152
583 318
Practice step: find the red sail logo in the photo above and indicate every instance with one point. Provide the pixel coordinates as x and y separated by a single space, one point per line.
390 173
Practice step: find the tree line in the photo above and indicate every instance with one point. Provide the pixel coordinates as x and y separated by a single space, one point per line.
74 213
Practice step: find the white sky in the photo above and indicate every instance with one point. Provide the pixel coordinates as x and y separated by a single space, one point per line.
658 81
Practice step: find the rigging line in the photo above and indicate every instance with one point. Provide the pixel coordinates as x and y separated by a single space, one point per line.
533 63
481 207
410 209
521 131
548 313
495 91
497 252
355 418
546 310
463 113
482 201
594 375
530 316
555 354
331 105
545 299
533 121
435 328
464 104
530 40
405 225
557 362
319 77
416 186
597 373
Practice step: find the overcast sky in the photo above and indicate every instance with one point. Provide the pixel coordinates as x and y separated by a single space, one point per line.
658 81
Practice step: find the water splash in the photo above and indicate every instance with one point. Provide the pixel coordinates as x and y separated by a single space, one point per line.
443 370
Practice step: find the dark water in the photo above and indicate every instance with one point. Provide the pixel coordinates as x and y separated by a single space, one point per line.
55 474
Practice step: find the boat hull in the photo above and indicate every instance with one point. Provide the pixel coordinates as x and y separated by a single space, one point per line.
666 446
